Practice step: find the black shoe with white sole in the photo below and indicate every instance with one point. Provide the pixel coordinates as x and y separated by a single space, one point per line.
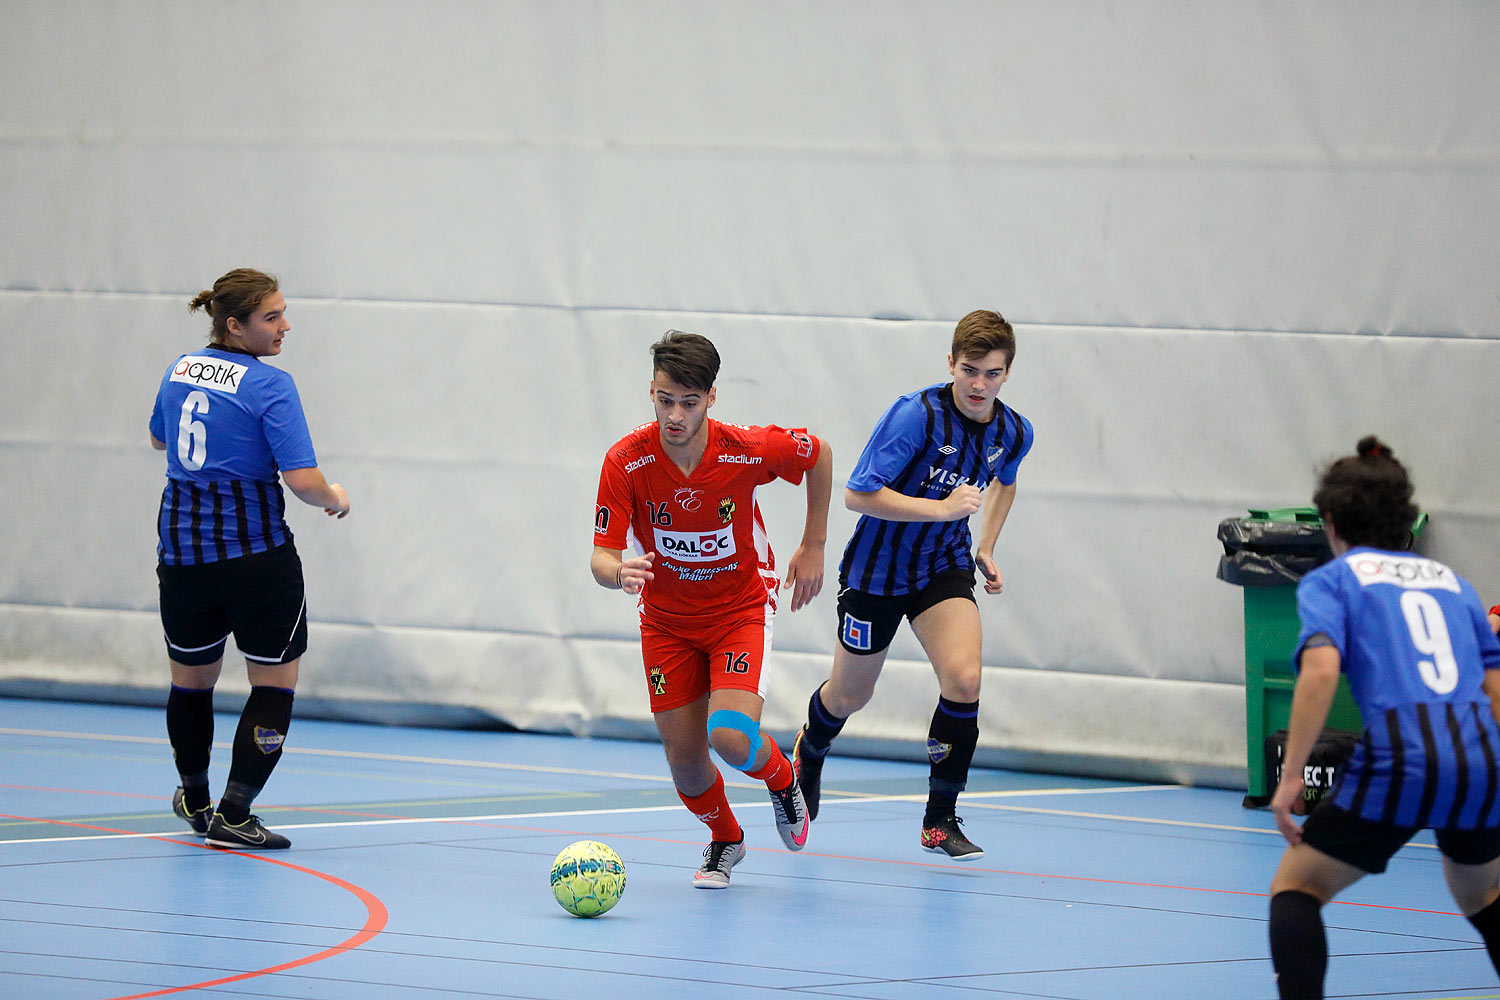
943 836
250 835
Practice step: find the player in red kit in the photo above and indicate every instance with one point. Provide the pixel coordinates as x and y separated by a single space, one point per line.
681 494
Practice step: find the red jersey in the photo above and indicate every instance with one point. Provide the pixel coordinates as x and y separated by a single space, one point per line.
712 552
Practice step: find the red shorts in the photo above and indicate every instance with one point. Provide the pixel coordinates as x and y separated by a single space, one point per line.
689 660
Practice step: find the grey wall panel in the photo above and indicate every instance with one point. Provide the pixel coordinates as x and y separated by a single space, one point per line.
1232 238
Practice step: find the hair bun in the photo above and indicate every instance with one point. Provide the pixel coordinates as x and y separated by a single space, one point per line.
1372 447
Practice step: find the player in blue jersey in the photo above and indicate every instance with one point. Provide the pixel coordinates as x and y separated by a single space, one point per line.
229 423
923 472
1424 668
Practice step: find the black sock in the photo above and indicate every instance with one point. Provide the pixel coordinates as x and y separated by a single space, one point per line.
257 748
1299 947
822 725
1487 923
190 730
951 740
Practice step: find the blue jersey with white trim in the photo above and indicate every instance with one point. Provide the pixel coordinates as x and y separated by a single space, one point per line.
1415 644
230 423
924 447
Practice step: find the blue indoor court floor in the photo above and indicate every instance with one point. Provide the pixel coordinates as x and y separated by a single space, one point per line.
420 860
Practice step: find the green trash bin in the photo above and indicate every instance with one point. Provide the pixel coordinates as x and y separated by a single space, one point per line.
1285 547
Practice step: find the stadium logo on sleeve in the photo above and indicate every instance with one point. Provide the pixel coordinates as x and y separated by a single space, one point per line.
643 460
856 633
210 373
696 546
1411 572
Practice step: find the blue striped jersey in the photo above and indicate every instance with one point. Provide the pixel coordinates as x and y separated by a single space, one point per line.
230 423
924 447
1415 644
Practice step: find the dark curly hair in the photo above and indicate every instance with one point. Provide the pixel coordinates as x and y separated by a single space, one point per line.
1367 497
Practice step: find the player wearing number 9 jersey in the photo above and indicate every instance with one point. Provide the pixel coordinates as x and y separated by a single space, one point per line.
229 423
1416 665
1424 668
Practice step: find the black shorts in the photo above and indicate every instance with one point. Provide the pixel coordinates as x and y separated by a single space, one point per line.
1368 845
868 622
257 598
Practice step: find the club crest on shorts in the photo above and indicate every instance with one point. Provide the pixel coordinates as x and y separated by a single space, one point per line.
726 510
856 633
268 740
657 678
938 752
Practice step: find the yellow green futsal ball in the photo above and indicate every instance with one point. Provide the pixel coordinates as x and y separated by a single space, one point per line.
588 878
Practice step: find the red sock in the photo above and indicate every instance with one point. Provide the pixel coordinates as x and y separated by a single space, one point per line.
713 809
777 772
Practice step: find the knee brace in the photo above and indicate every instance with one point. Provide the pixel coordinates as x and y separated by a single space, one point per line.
726 718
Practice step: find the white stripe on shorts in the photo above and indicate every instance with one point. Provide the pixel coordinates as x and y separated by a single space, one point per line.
301 612
192 649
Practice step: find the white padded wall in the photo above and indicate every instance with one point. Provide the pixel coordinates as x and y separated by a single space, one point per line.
1234 237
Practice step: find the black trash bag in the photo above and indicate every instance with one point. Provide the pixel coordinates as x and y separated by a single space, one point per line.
1261 553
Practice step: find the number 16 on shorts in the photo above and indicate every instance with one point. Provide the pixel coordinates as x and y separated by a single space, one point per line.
736 663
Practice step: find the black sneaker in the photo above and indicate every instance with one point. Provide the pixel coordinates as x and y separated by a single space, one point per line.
247 836
943 835
809 768
197 820
718 858
790 810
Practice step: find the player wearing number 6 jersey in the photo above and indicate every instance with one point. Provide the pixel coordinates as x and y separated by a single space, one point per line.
227 565
1424 668
681 493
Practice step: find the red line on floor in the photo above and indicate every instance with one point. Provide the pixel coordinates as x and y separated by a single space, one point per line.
87 791
376 915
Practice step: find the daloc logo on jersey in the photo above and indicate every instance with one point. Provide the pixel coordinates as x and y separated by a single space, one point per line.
696 546
211 373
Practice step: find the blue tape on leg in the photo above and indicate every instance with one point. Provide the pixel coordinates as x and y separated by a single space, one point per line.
728 718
